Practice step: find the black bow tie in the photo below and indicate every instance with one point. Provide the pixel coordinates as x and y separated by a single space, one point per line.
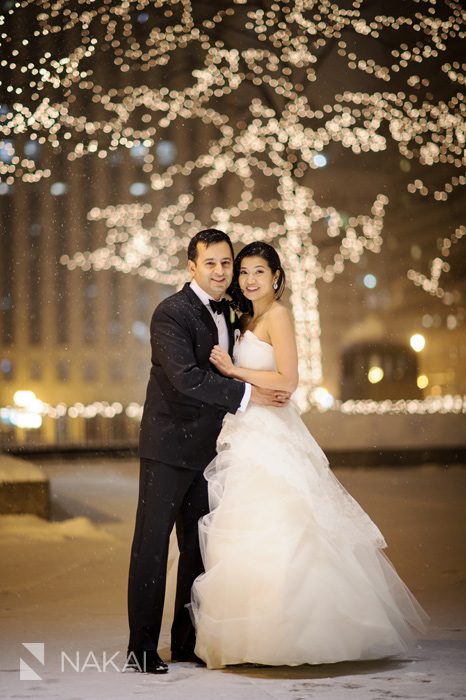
218 307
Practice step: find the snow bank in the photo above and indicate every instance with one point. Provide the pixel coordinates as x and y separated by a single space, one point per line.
30 527
13 470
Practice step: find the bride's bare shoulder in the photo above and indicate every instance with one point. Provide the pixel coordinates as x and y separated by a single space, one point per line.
280 313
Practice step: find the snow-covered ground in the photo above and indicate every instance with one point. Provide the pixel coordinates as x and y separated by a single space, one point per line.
63 585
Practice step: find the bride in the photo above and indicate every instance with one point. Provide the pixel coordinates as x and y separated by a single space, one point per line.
294 571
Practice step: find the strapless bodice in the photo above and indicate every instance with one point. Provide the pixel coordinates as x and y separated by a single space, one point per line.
251 352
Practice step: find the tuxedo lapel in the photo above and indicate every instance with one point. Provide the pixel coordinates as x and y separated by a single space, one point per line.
209 321
231 331
203 312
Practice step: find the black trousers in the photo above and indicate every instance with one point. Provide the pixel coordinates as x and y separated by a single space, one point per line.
168 496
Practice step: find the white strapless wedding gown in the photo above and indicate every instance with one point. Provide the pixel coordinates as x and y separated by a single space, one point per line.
294 571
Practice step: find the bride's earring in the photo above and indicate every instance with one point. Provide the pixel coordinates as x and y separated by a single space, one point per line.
275 285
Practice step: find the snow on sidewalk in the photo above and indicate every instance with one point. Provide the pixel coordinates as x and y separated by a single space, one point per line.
63 584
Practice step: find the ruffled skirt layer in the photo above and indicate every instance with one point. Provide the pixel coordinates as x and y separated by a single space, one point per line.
294 571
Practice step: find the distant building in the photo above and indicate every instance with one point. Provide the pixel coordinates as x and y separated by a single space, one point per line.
379 371
82 337
67 335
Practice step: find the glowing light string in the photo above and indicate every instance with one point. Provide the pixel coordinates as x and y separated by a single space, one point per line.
431 284
281 145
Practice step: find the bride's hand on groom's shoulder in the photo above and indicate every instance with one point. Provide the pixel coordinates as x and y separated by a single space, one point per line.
222 361
269 397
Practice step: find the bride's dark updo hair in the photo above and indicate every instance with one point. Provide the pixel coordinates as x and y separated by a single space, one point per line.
270 256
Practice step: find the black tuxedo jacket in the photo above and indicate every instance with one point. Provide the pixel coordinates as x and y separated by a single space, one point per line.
186 397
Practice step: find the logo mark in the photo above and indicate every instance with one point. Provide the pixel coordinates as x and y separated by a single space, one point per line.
26 673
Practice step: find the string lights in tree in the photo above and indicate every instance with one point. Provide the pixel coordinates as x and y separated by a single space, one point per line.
431 284
249 76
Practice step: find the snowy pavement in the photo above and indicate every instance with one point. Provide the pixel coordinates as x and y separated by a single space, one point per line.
63 588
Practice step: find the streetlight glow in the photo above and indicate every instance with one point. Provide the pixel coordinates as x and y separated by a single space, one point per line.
323 397
375 375
417 342
422 381
24 398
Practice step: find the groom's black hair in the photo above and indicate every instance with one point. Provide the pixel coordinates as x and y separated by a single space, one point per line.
208 236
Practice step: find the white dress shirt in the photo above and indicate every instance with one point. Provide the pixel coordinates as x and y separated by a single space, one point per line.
223 337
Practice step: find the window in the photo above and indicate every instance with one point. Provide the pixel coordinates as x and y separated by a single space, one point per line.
165 152
63 370
34 282
6 271
89 371
89 308
116 371
137 189
57 189
35 371
32 149
6 369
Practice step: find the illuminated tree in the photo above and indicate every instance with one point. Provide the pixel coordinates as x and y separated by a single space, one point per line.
439 265
243 80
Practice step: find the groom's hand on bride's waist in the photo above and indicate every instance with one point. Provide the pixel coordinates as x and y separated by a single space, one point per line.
269 397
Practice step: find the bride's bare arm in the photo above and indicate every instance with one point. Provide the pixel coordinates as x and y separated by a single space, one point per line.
285 378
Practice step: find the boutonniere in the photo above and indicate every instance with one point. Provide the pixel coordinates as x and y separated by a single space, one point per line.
232 313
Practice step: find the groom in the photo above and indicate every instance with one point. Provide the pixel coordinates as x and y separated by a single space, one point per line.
185 404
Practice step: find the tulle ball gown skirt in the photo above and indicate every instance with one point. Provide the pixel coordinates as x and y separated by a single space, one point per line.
294 568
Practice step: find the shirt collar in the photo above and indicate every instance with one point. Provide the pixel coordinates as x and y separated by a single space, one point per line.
199 292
